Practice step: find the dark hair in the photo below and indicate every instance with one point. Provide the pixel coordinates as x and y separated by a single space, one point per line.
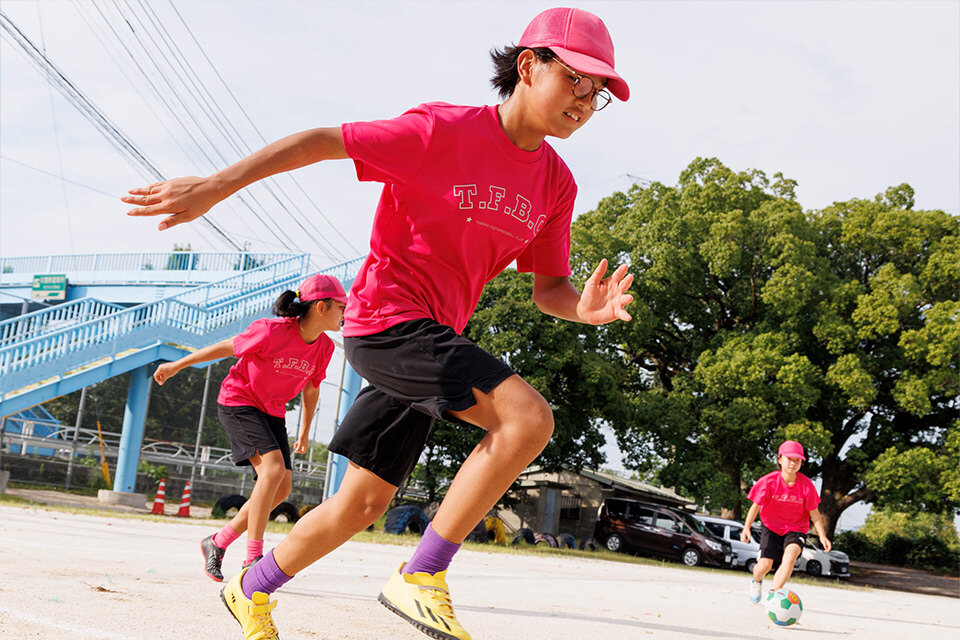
287 307
505 75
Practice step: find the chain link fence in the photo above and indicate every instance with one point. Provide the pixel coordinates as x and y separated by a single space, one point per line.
72 442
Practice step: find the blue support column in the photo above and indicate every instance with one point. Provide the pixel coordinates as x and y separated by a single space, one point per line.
338 464
134 415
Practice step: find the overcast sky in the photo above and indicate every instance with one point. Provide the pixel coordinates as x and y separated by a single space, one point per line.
847 98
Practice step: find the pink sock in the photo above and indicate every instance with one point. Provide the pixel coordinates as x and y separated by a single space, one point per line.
254 550
225 536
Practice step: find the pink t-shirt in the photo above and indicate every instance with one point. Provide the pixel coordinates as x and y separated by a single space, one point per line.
784 508
274 365
460 202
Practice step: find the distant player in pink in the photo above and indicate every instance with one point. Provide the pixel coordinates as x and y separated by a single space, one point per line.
278 358
786 501
467 192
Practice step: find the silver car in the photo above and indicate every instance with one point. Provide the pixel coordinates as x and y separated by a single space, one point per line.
817 562
744 553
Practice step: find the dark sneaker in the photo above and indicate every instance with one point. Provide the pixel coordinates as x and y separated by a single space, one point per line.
252 562
213 558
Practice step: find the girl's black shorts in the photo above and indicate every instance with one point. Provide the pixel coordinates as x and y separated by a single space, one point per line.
772 544
253 431
417 370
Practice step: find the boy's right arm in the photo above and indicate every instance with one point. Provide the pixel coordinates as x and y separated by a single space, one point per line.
167 370
186 199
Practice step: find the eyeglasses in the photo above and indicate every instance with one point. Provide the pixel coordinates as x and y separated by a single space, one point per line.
583 87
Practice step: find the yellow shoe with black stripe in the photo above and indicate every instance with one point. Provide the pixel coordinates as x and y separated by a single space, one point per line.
423 600
253 614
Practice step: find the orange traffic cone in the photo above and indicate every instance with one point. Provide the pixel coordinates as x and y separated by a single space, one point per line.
158 502
184 511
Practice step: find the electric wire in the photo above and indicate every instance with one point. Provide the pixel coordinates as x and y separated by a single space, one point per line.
86 107
249 120
232 136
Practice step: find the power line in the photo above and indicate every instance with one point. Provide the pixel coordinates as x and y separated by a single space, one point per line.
89 110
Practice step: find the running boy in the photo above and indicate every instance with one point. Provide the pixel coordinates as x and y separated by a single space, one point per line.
786 501
467 191
278 357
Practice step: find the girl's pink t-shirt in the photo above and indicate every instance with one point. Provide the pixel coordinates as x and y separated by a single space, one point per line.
784 508
274 365
460 202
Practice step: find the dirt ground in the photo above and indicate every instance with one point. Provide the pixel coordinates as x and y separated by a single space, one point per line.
70 577
862 574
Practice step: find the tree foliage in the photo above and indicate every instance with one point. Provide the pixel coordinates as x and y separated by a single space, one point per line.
756 321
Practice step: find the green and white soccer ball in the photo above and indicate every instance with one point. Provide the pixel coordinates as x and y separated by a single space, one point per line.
784 607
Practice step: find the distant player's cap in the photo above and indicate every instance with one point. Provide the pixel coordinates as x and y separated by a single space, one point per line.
321 287
581 40
791 449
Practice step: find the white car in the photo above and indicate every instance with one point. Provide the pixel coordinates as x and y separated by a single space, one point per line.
744 553
817 562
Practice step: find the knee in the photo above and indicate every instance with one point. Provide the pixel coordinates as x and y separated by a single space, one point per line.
368 510
537 423
272 472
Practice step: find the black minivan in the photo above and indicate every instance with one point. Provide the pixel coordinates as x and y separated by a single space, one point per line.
655 529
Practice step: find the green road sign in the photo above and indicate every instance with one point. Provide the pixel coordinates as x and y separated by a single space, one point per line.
49 287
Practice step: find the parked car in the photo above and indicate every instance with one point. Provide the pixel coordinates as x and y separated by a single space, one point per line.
745 554
653 529
817 562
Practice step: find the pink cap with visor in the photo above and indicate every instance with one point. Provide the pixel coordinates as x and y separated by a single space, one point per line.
321 287
791 449
581 40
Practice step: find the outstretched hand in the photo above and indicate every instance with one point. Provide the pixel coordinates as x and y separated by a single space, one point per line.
603 299
180 199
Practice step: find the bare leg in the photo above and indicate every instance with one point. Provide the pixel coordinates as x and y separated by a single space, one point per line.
270 475
790 555
762 568
519 424
240 521
362 498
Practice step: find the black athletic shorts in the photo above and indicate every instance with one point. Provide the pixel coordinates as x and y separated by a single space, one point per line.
252 431
772 544
417 370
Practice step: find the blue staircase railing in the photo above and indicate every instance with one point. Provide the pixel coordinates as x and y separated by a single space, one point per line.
188 265
45 347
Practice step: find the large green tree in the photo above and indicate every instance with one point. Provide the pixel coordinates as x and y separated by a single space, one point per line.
756 321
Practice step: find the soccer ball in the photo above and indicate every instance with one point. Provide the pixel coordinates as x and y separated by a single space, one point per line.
784 607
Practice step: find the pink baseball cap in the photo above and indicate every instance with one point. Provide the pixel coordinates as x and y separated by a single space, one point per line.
581 40
320 287
791 449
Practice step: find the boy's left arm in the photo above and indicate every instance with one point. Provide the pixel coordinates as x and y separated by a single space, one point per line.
821 532
603 299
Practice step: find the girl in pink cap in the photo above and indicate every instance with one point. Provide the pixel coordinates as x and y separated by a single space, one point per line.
278 358
786 501
467 192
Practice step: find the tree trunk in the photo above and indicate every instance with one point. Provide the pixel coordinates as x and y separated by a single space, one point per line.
839 491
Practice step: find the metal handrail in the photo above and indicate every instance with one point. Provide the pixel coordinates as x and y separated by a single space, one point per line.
129 262
195 312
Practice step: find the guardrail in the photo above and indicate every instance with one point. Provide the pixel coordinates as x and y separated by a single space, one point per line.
67 442
178 319
185 261
32 324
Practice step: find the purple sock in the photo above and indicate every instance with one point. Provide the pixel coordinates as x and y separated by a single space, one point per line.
432 555
265 576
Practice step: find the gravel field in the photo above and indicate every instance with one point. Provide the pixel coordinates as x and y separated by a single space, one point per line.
72 577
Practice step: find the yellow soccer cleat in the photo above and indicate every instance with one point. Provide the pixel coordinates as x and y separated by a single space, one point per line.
253 615
423 600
